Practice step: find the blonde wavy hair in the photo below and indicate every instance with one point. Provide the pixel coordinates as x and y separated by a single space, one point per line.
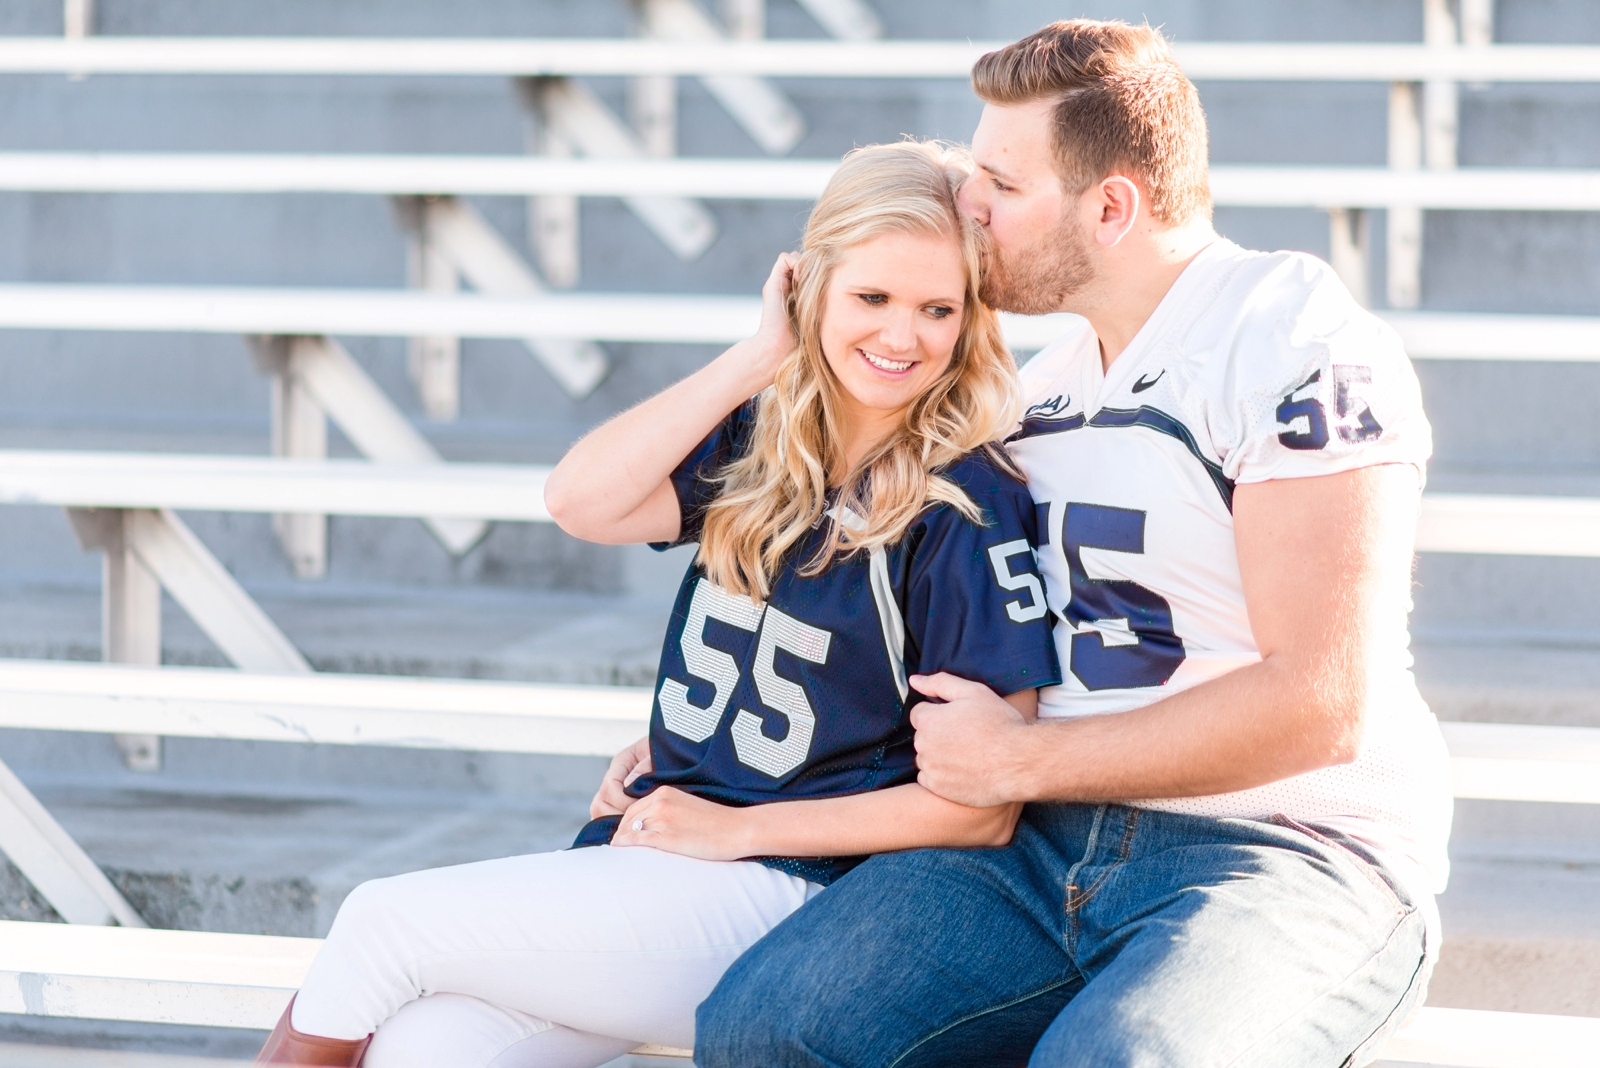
774 494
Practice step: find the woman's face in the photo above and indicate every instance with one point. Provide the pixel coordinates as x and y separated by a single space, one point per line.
890 320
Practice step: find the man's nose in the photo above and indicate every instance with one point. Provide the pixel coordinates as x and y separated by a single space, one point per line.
971 203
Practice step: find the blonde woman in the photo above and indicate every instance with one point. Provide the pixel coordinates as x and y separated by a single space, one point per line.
855 524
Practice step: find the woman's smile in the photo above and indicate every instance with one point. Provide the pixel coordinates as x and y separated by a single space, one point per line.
893 368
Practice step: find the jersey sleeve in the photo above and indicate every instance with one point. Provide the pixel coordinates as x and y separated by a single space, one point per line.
975 603
1317 385
694 479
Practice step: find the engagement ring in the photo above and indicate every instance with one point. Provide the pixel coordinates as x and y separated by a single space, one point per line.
638 825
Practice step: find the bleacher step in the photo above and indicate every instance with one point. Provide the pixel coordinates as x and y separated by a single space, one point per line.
204 856
19 1055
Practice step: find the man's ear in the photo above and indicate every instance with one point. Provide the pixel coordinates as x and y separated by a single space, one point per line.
1119 202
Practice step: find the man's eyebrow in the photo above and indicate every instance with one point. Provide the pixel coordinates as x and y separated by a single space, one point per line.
998 173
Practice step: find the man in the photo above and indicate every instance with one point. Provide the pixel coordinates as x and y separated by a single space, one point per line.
1238 803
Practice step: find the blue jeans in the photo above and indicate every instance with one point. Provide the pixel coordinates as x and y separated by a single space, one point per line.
1102 937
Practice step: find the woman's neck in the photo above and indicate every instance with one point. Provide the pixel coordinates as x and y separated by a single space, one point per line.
863 429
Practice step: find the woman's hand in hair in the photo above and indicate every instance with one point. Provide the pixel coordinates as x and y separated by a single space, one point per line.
680 822
774 339
626 766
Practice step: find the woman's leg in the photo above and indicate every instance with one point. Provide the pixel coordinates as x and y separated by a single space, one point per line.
463 1032
616 942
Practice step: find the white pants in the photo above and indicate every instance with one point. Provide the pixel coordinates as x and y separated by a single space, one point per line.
554 960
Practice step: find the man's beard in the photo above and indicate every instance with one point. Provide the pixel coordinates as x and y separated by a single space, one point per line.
1040 278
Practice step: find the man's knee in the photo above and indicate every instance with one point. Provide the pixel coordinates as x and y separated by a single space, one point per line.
763 1012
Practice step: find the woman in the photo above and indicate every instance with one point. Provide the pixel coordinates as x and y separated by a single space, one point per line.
854 523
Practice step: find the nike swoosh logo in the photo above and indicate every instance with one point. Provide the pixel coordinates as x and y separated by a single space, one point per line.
1141 385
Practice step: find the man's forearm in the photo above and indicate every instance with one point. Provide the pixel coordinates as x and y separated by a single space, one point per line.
1244 729
1326 567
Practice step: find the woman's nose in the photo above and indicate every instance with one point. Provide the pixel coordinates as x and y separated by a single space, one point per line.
899 334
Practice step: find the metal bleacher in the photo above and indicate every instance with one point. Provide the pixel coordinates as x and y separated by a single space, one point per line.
125 503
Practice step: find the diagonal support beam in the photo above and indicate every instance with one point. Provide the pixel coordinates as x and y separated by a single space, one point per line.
168 550
465 241
349 396
764 112
746 20
578 118
55 864
848 20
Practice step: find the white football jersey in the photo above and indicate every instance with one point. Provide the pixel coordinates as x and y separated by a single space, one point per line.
1255 366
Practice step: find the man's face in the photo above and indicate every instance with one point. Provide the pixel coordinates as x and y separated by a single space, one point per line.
1038 255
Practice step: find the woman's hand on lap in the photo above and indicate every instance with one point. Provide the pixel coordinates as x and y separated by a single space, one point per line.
626 766
679 822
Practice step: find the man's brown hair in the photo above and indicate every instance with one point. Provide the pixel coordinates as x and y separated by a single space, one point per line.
1122 104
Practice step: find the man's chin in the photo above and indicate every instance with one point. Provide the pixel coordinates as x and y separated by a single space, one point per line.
1020 303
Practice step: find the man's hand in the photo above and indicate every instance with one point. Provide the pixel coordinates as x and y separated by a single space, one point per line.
626 766
680 822
971 749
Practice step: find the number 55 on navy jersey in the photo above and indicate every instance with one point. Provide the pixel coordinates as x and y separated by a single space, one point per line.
805 695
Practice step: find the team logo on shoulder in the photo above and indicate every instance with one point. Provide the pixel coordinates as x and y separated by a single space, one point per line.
1141 385
1049 407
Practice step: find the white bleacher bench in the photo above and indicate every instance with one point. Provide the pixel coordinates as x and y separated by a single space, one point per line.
1232 185
226 980
534 57
1449 522
508 492
631 317
324 709
1506 762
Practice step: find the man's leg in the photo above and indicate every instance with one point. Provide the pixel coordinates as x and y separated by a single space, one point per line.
932 957
1210 943
1203 942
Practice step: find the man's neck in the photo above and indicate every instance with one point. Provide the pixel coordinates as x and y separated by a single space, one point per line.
1134 281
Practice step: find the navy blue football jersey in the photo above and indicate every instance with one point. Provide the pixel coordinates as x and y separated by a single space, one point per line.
805 696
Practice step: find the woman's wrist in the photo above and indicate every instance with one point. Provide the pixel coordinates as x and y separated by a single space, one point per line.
745 369
743 833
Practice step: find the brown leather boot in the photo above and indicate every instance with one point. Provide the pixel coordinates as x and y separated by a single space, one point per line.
287 1046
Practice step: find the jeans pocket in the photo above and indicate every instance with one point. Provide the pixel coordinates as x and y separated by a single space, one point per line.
1362 864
